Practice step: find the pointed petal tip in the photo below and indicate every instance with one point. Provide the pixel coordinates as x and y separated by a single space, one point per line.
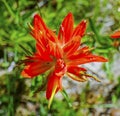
97 79
85 21
94 77
105 60
24 74
101 59
115 35
70 13
95 58
36 16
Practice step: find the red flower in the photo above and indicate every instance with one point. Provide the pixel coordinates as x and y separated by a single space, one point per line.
62 55
116 34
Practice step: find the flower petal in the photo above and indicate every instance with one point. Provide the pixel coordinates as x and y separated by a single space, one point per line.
83 55
116 35
54 49
72 45
80 29
87 59
42 52
66 29
46 39
56 77
40 29
75 69
77 77
35 68
53 81
39 23
76 73
81 52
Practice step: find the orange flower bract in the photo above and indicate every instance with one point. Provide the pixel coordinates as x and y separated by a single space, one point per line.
61 55
116 34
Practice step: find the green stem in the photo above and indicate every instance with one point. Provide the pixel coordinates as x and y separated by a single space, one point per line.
10 97
66 98
95 31
5 55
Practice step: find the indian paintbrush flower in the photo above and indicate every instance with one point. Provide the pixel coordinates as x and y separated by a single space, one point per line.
115 35
61 55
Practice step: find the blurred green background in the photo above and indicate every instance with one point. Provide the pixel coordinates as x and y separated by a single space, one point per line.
23 97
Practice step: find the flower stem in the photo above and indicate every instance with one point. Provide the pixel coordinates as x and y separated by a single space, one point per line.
66 98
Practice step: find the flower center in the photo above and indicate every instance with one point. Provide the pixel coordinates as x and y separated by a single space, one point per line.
60 68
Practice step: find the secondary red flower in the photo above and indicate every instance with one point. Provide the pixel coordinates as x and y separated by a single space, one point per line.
61 55
116 34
